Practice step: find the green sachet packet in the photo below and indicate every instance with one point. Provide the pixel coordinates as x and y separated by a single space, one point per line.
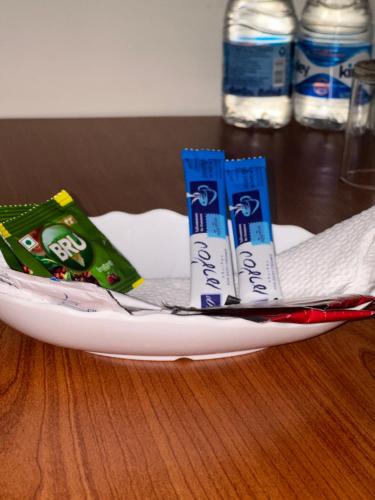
9 256
57 239
9 212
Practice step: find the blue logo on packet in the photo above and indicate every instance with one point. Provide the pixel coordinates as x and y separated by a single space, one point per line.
204 203
203 194
246 205
249 218
210 300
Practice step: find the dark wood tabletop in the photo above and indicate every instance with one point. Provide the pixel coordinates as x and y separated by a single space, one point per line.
294 421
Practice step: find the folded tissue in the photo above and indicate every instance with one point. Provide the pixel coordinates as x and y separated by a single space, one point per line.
338 261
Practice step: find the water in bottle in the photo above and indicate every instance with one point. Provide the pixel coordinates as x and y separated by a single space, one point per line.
333 35
258 36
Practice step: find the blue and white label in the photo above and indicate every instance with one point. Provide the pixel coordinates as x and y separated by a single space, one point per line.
247 189
257 68
326 71
210 256
204 208
248 219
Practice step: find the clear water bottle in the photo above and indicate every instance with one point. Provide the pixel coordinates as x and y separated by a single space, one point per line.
258 37
333 35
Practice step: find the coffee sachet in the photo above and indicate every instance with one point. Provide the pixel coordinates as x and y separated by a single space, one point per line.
57 239
9 212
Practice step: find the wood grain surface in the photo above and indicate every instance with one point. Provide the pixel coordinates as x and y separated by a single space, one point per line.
294 421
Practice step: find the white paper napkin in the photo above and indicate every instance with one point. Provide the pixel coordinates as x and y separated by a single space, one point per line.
337 261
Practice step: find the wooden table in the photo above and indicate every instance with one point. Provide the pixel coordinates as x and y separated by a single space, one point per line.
295 421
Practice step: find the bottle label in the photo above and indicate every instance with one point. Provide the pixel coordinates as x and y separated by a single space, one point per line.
257 68
326 71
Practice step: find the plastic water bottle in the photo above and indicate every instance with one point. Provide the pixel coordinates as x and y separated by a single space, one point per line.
258 37
333 35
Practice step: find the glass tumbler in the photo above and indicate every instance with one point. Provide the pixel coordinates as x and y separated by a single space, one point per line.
358 165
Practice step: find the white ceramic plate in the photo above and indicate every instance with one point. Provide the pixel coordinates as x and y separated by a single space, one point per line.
157 244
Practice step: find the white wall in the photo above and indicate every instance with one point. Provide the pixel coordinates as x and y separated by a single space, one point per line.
110 57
